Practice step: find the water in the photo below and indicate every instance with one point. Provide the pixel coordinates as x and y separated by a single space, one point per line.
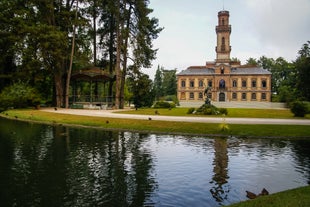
42 165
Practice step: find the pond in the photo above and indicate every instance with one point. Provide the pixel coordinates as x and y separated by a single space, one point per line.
44 165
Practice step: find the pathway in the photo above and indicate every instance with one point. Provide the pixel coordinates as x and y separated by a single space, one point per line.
111 114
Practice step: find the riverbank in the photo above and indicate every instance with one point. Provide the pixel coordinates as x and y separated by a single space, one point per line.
298 197
152 124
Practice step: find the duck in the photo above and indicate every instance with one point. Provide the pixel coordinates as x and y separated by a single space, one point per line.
250 195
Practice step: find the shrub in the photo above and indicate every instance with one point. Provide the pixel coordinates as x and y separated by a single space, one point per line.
19 95
163 104
190 110
223 111
299 109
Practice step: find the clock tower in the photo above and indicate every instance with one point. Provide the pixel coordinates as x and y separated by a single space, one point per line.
223 30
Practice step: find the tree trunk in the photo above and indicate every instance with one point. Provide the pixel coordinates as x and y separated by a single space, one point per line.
58 88
118 57
71 61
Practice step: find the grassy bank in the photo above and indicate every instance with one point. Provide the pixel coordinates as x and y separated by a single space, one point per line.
299 197
232 112
243 130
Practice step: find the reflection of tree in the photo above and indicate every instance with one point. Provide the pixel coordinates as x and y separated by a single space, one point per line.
219 191
301 149
61 166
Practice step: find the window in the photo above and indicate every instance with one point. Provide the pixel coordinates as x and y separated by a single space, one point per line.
209 96
253 96
234 96
191 95
222 70
222 84
234 83
223 21
253 83
264 84
210 83
263 96
191 84
243 96
223 44
200 83
244 83
183 84
182 95
200 95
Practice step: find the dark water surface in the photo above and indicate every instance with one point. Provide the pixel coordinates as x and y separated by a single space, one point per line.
42 165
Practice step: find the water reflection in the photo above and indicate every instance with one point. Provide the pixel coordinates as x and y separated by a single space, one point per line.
43 165
219 190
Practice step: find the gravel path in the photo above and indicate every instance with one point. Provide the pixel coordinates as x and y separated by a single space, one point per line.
111 114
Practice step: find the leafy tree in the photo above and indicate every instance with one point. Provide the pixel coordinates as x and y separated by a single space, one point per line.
251 61
158 82
142 89
169 82
302 65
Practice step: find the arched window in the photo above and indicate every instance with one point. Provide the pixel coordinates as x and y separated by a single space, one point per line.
183 84
234 83
200 96
223 44
253 96
200 83
222 84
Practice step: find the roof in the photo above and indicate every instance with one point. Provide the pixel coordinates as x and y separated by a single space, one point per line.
250 71
91 73
202 70
197 70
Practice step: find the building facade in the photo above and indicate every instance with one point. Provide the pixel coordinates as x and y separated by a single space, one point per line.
228 80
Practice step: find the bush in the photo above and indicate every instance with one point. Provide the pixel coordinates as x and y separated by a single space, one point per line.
163 104
19 95
299 109
207 109
190 110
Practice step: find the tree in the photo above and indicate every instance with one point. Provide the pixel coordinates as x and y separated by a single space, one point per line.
302 65
169 82
251 61
158 82
142 89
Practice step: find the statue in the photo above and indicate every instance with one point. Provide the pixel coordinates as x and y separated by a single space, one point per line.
207 100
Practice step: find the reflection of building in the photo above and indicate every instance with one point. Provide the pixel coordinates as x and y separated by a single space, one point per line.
229 80
219 190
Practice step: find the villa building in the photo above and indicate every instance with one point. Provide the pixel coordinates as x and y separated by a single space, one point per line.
228 80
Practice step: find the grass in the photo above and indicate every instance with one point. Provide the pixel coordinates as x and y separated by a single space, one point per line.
241 130
232 112
299 197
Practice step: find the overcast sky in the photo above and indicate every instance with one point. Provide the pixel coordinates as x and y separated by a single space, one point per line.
274 28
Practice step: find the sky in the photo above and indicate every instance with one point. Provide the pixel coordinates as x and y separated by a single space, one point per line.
273 28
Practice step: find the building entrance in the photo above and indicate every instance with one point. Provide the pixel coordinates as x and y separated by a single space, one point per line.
222 97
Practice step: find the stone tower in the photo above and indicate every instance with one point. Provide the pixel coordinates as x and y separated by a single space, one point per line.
223 30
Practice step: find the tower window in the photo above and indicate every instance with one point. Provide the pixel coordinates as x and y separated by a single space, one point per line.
223 21
223 44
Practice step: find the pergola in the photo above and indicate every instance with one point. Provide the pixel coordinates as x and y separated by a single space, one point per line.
95 98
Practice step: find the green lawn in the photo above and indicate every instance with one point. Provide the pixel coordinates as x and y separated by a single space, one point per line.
232 112
243 130
299 197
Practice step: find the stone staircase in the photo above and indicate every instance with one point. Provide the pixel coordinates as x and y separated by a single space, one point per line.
236 104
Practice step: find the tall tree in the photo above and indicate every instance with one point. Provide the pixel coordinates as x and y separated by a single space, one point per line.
302 65
158 82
